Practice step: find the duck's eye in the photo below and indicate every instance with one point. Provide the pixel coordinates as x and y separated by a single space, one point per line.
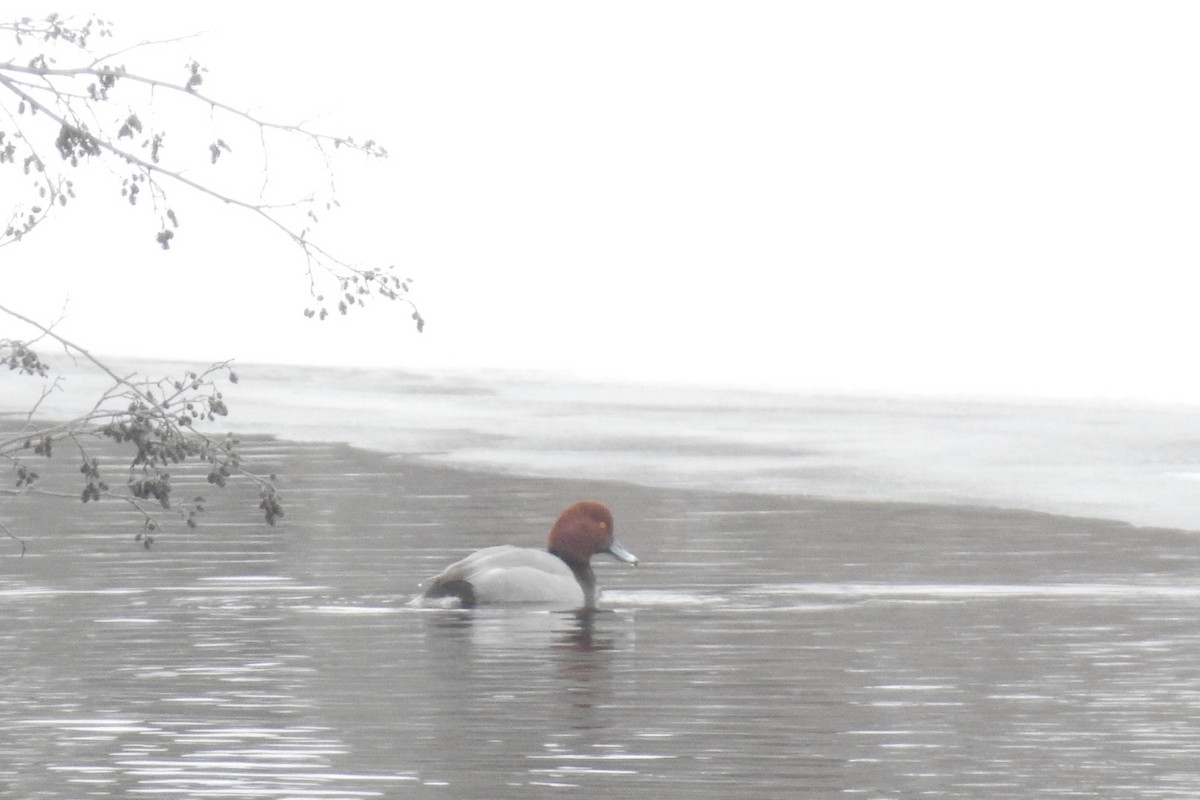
603 526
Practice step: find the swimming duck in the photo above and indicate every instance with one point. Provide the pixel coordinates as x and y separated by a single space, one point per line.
560 576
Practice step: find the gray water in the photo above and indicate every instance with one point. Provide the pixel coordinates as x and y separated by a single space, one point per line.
768 646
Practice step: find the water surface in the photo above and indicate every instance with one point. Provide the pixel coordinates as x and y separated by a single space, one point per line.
768 646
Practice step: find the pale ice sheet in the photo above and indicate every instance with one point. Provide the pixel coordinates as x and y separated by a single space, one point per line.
1138 463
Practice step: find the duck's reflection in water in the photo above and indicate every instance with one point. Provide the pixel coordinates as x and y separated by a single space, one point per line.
563 655
516 632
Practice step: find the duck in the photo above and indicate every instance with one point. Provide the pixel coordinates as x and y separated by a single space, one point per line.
560 576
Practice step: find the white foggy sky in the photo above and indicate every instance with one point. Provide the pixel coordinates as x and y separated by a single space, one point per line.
995 198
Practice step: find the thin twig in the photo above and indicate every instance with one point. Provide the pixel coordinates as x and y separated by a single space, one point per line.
14 537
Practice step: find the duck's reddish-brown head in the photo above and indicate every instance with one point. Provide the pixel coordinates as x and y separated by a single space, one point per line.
585 529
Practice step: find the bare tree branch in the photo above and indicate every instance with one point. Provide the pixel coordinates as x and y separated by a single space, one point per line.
81 102
156 418
67 110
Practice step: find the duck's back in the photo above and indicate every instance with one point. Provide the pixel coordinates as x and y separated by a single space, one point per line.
507 574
